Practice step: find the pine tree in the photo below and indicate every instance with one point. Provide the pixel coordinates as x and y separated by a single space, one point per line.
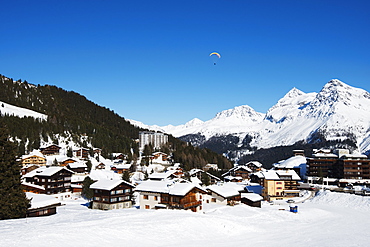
126 176
13 202
86 191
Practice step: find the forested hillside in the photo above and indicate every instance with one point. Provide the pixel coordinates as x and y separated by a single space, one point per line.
71 114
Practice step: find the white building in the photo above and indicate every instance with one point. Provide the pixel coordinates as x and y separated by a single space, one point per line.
153 138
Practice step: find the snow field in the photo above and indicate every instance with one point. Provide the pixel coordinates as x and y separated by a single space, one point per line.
329 219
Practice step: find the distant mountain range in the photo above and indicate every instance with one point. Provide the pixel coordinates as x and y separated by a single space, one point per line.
337 116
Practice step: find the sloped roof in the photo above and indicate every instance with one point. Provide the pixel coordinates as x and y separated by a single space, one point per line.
224 191
108 184
45 171
252 197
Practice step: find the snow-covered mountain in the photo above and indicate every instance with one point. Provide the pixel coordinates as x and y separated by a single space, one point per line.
11 110
338 112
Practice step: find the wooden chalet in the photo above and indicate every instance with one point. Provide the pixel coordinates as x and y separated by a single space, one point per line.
255 166
28 168
198 173
67 161
112 194
42 205
251 199
163 194
121 168
101 166
239 171
77 167
35 158
54 180
82 153
225 194
50 150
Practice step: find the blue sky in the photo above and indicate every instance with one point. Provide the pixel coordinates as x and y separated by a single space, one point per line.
148 60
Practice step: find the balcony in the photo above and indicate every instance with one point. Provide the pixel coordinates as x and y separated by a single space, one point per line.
186 205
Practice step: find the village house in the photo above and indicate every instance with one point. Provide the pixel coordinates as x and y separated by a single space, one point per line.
197 174
65 161
28 168
112 194
210 166
50 150
255 166
82 153
78 167
100 166
34 158
48 180
165 194
224 194
251 199
121 167
239 172
42 205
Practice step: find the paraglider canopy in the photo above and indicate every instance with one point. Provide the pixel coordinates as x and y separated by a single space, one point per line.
215 56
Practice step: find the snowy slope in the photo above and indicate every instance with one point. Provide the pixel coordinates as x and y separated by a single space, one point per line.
337 111
7 109
329 219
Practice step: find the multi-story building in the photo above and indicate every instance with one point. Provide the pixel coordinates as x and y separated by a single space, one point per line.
112 194
339 164
48 180
154 138
34 158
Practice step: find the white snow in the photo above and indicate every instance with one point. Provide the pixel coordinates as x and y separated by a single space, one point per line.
337 110
329 219
11 110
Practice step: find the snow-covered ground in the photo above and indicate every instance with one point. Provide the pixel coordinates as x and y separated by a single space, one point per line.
329 219
7 109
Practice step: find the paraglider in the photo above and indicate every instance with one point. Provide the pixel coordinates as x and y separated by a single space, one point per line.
215 56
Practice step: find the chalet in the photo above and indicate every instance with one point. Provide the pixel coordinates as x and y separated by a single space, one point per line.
255 166
101 166
160 176
239 171
54 180
159 158
295 163
121 168
65 161
210 166
97 151
82 153
112 194
50 150
251 199
28 168
118 156
34 158
42 205
197 173
77 167
162 194
224 194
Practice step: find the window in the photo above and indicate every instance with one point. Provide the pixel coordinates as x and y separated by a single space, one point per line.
127 190
113 192
127 197
279 188
119 191
155 198
105 199
278 182
147 207
96 198
145 197
113 199
213 200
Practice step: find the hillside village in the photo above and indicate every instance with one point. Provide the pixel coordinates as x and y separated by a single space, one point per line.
52 175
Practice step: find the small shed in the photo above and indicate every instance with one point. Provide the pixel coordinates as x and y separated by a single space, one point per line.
42 205
251 199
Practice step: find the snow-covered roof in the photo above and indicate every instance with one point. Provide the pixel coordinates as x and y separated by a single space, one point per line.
292 162
161 175
33 153
41 200
252 197
224 190
77 165
179 189
256 163
108 184
46 171
290 173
